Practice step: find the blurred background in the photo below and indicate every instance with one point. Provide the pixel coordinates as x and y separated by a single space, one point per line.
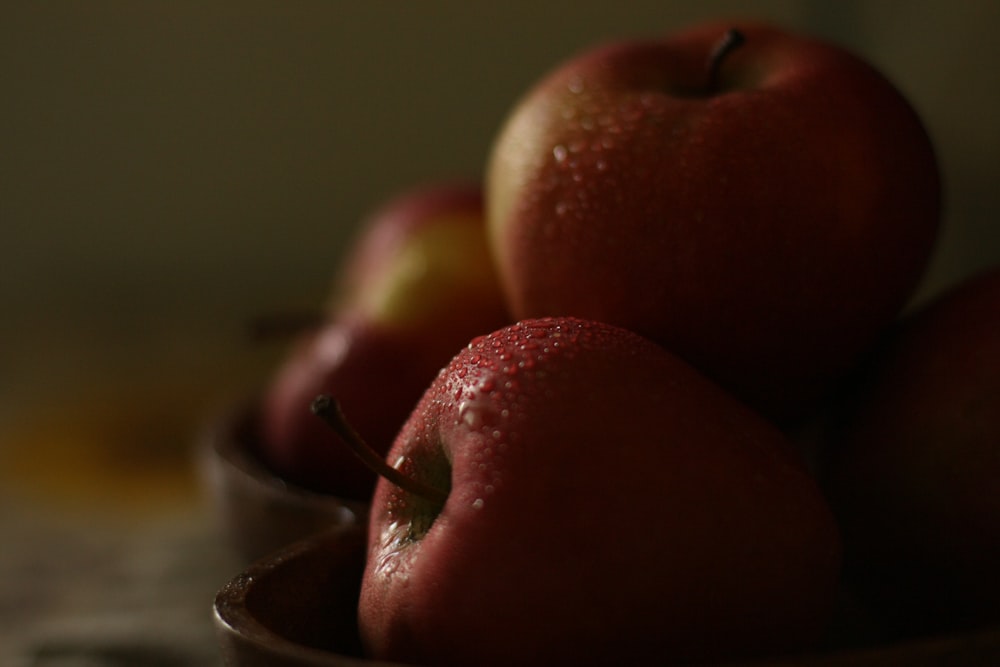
170 170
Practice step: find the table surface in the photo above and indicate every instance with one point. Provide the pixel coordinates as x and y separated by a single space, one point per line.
111 554
100 570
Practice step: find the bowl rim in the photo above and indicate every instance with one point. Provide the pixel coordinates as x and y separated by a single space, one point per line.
225 437
239 630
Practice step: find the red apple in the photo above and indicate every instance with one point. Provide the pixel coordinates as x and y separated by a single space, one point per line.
605 504
763 209
914 469
416 286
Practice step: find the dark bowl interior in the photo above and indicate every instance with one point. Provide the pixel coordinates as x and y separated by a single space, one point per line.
297 607
260 512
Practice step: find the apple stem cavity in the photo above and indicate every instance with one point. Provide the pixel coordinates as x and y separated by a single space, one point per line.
328 409
729 42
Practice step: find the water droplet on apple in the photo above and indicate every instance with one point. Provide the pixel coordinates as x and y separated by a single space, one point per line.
470 415
559 153
477 504
477 412
575 85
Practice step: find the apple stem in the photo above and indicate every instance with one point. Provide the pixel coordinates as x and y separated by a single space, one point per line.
328 409
732 40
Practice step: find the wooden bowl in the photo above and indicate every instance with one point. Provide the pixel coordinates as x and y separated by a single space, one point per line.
260 512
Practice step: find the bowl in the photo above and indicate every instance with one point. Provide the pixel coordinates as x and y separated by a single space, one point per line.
297 608
259 512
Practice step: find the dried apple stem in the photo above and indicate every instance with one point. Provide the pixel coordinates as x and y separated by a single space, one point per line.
732 40
328 409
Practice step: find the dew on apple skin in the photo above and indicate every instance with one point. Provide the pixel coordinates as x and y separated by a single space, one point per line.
388 562
477 412
471 417
477 504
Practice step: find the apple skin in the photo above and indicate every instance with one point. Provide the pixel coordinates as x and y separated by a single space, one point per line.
913 465
374 372
420 256
607 504
765 231
417 284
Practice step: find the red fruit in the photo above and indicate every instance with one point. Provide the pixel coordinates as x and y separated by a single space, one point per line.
418 284
606 504
765 222
914 466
